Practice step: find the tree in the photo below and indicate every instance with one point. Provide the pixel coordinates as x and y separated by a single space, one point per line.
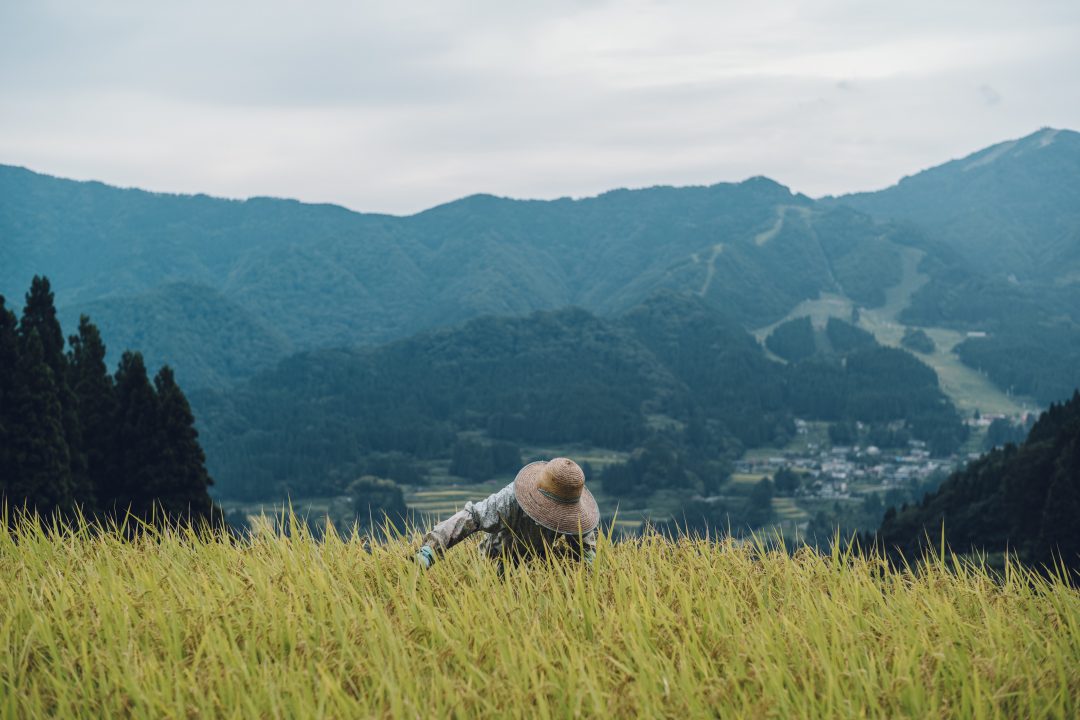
41 472
95 396
131 482
786 481
39 317
374 498
759 508
8 361
180 481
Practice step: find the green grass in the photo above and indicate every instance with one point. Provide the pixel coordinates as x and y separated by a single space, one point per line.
175 625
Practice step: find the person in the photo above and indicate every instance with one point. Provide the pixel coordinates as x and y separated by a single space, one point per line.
546 503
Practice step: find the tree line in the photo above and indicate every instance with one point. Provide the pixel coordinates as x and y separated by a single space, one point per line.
75 438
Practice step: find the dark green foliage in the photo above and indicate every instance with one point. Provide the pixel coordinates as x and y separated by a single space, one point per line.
1042 361
376 500
39 317
877 385
793 340
759 506
786 481
9 356
96 398
1024 499
845 337
483 460
843 433
1002 432
41 474
132 481
141 447
180 478
916 340
656 466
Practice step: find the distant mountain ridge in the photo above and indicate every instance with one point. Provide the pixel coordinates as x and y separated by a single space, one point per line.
1012 209
323 276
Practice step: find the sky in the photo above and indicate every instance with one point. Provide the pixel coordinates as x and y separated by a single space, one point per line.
399 106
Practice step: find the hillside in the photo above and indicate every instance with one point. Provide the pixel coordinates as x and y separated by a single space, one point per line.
322 276
673 374
211 339
1011 210
1025 500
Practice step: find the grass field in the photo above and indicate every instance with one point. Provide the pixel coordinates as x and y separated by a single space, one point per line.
174 626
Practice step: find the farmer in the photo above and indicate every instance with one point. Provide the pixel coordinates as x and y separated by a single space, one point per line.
546 502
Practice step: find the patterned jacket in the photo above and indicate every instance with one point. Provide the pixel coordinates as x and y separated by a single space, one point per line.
511 531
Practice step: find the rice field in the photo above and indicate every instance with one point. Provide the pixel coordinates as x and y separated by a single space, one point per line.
176 625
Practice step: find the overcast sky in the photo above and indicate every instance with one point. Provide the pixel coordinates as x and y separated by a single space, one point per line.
398 106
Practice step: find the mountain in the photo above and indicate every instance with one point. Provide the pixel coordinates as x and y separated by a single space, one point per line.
1004 228
213 340
672 370
323 276
1025 500
1011 210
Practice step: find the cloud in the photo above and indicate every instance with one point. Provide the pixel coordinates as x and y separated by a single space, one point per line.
399 106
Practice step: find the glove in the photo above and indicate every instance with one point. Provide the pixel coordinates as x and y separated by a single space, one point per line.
425 556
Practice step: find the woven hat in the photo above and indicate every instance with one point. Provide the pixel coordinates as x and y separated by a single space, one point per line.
553 494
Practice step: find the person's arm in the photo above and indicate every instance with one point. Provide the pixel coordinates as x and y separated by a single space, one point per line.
584 547
485 515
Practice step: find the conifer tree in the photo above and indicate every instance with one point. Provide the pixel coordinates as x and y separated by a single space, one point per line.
181 478
131 484
96 400
41 477
39 316
8 361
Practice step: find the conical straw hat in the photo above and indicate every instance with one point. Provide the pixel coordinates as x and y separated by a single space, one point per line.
553 493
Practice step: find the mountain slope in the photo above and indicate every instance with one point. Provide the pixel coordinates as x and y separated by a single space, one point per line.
1012 209
212 340
327 277
1022 499
673 367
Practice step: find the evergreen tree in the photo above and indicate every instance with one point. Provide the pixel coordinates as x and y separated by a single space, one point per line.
96 401
181 479
8 361
131 483
41 473
39 316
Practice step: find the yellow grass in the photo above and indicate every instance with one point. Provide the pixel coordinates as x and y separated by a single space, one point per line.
177 626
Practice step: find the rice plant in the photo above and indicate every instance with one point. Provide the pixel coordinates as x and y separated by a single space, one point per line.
175 623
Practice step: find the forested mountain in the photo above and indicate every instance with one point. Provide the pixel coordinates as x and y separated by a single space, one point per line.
1010 210
316 276
672 373
1004 225
1022 499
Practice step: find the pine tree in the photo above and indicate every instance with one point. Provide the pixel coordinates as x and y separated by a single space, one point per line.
181 476
8 361
41 477
39 316
130 484
96 401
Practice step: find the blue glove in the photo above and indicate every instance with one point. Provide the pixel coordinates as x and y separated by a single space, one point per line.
426 557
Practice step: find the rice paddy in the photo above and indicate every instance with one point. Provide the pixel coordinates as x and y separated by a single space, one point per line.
175 624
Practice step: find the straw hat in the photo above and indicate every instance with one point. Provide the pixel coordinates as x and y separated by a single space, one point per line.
553 494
